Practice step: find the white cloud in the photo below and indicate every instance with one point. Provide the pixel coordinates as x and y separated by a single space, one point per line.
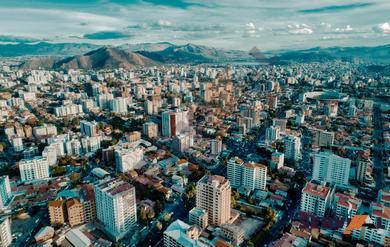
345 29
250 26
164 23
301 31
383 28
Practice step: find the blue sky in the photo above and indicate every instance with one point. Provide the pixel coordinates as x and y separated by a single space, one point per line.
232 24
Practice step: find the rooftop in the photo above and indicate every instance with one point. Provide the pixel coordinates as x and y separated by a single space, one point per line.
316 190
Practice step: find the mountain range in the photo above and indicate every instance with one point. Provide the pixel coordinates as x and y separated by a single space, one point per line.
101 58
89 56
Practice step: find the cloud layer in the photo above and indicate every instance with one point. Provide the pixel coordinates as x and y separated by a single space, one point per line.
269 25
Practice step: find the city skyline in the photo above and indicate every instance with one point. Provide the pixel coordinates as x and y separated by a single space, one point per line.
269 26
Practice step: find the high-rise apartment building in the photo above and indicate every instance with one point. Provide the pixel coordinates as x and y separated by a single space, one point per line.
75 212
234 171
316 198
119 105
88 128
323 138
331 168
216 146
127 157
36 168
249 175
213 194
362 170
5 191
57 212
116 207
281 123
292 148
174 122
5 232
272 134
150 129
254 176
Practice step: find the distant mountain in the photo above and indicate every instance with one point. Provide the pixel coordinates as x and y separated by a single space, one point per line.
69 55
152 47
191 53
102 58
45 49
377 54
258 55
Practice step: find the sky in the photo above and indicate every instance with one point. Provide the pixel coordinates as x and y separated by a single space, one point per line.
228 24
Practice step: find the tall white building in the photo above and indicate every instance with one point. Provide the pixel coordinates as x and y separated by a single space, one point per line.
272 134
127 157
316 198
323 138
68 110
119 105
5 191
88 128
174 122
5 232
331 168
183 142
213 194
292 148
216 146
254 176
116 207
234 171
34 169
250 175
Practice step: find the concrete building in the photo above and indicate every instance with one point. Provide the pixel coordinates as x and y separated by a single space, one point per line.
127 157
323 138
281 123
216 146
233 233
75 212
254 176
331 168
57 212
179 234
68 110
362 170
213 194
36 168
182 142
316 198
89 128
346 206
5 232
5 192
119 105
272 134
277 160
174 122
116 207
198 217
292 148
234 171
150 129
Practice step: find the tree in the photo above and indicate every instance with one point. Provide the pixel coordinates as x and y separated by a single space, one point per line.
58 171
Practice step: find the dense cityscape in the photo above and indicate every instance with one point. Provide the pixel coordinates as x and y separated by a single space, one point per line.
195 155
